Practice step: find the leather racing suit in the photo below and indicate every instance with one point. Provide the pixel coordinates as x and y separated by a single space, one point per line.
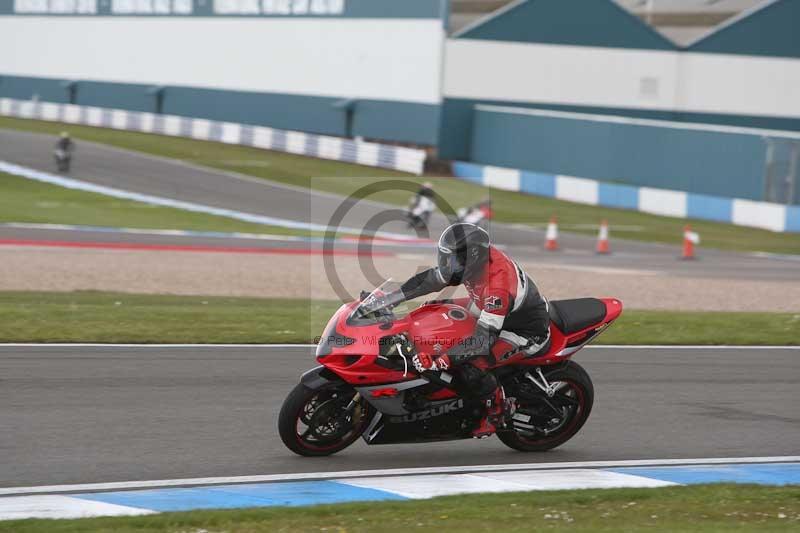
512 316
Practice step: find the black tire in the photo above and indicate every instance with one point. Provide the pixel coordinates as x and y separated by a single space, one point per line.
293 411
579 381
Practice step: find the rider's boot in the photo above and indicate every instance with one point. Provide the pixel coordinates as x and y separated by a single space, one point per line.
495 406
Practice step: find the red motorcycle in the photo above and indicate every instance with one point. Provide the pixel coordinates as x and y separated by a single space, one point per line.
366 386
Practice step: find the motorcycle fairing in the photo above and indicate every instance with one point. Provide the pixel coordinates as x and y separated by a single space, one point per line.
353 352
441 420
430 328
391 404
318 377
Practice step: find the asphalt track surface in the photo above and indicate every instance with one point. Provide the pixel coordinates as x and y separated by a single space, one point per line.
147 174
98 414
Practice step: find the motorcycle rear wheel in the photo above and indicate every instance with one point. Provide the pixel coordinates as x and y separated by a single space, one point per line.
577 398
313 422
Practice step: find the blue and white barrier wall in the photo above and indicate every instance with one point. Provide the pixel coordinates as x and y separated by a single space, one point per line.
680 204
752 164
293 142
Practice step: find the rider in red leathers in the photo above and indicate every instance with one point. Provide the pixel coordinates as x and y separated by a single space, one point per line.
512 314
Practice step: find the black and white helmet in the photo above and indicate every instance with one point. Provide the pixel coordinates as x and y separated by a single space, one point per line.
463 252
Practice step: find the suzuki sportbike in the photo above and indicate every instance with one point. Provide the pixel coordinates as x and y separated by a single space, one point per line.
366 385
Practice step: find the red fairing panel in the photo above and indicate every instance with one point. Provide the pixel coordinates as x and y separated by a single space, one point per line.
433 329
613 309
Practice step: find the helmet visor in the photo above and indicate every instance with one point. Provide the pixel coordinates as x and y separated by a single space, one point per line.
452 264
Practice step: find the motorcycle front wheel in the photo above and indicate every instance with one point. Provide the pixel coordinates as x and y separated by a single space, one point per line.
557 419
318 422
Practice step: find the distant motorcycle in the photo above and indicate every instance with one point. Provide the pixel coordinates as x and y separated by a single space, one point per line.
367 387
63 159
419 212
479 214
63 152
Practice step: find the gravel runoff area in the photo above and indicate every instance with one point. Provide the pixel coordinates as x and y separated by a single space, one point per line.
303 276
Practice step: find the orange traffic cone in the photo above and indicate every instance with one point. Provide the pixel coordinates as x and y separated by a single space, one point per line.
551 237
602 239
690 239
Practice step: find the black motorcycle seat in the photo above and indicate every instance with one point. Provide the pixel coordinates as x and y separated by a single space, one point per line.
570 316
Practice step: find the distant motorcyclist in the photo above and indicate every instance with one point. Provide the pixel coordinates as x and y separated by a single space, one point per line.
421 206
63 151
478 214
426 189
512 314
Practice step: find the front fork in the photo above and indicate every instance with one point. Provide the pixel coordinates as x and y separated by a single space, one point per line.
353 403
348 411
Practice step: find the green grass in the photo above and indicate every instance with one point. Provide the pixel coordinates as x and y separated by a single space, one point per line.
28 201
700 508
342 178
704 327
138 318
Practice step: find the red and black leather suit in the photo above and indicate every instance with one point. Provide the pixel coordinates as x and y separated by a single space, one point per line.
512 315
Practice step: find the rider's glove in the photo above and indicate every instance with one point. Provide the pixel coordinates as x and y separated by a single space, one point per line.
380 301
374 303
423 362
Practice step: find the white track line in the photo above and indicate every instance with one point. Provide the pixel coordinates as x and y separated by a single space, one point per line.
147 346
127 485
689 347
593 347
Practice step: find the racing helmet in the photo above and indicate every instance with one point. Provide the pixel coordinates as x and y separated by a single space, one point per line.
426 189
463 252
